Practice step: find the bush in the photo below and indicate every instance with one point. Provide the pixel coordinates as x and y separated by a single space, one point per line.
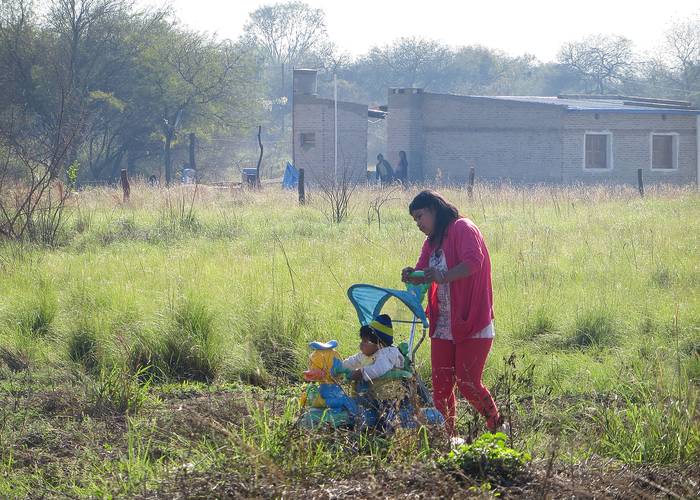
487 457
593 328
190 349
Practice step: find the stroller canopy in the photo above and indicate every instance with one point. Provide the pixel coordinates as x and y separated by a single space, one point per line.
369 300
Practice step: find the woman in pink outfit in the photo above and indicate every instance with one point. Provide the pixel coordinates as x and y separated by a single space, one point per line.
456 263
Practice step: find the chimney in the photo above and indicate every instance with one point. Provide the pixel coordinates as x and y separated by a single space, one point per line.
305 81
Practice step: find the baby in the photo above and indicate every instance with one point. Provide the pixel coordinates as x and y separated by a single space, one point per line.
377 357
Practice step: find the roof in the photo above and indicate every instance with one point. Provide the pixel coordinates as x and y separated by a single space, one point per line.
615 104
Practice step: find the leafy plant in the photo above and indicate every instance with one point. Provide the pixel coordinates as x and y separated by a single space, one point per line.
488 456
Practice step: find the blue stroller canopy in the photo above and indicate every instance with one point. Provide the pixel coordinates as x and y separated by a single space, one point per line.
369 300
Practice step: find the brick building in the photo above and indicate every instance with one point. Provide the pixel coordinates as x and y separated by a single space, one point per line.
565 139
313 132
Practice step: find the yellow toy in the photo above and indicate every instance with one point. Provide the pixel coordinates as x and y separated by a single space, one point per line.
327 401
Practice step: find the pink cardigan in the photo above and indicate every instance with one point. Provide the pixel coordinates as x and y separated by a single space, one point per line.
471 298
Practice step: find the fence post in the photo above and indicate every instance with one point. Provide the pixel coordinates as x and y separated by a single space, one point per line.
640 182
302 194
470 186
125 184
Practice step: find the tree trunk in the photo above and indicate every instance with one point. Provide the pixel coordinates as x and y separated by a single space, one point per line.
192 144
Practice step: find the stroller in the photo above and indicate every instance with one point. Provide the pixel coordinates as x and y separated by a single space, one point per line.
341 410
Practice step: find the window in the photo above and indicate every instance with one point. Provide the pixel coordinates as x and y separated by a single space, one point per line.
307 140
664 149
598 154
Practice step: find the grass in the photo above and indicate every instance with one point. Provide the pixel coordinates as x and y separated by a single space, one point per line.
163 340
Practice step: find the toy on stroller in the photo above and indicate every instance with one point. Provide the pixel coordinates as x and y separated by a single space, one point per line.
327 403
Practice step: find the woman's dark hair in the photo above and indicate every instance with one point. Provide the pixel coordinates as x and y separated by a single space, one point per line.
367 333
445 213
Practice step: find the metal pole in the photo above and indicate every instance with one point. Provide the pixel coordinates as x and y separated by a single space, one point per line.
411 338
335 104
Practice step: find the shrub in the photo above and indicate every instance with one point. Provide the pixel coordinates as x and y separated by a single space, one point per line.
487 457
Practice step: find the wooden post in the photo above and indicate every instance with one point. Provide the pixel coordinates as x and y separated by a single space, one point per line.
470 186
640 182
302 194
257 181
125 184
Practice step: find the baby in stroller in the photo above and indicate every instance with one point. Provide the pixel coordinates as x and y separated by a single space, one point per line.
372 368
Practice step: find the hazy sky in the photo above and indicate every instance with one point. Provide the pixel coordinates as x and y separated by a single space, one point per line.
537 27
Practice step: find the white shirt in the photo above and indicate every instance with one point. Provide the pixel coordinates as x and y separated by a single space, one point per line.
382 361
443 329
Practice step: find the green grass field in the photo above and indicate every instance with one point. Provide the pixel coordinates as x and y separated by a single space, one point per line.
158 349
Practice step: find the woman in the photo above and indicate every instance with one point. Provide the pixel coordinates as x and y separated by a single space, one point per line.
456 263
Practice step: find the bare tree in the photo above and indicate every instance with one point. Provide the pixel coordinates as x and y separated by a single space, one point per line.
337 194
32 198
682 46
286 33
602 61
383 196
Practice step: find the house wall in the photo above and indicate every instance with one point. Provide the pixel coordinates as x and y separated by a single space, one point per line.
631 144
315 115
448 134
445 135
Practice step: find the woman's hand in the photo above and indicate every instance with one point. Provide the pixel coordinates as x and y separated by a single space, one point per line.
432 274
405 274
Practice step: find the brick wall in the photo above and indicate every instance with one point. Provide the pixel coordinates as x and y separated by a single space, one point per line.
316 116
631 145
501 139
526 142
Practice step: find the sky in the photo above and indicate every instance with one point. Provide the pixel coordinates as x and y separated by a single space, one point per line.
537 27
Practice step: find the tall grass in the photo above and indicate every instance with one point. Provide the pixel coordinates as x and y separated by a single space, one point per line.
267 276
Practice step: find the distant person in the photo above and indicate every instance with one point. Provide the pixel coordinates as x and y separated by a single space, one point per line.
384 171
402 173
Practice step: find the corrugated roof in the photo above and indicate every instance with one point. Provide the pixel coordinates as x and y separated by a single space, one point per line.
617 104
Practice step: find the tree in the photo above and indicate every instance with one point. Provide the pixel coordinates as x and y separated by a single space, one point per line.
407 62
287 34
602 62
682 47
199 84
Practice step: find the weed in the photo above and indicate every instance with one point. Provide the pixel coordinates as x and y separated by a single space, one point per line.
487 457
117 391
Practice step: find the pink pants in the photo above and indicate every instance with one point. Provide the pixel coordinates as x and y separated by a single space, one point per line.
461 364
